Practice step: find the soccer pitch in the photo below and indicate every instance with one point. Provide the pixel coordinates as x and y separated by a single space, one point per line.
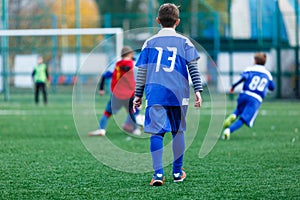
42 157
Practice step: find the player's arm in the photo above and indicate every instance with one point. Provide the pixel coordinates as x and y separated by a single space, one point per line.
101 85
125 68
236 84
47 73
271 85
140 86
197 83
104 76
33 73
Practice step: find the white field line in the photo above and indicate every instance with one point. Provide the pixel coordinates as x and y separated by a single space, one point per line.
35 112
204 111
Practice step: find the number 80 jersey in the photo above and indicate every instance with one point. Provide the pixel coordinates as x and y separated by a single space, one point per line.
165 56
257 81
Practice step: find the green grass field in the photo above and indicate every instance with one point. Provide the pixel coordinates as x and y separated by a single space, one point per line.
42 157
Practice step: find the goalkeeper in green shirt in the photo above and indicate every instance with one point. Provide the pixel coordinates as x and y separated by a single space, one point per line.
40 77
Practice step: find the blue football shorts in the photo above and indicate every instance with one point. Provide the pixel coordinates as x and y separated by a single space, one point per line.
162 119
247 109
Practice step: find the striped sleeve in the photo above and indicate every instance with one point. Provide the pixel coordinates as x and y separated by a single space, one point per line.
195 76
140 82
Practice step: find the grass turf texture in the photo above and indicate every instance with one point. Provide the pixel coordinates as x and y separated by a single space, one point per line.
42 157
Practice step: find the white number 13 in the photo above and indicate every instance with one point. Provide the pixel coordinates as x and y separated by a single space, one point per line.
171 58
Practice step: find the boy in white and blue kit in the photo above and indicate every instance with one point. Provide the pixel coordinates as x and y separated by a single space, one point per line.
165 61
257 81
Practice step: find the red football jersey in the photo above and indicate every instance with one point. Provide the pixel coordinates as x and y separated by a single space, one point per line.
123 82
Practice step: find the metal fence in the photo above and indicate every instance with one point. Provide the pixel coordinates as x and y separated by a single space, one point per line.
271 28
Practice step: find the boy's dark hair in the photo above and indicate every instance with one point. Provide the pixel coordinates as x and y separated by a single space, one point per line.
126 50
260 58
168 14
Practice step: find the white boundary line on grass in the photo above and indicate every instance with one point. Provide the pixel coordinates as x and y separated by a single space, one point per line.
69 112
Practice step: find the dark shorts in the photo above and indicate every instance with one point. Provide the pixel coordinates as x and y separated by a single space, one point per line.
115 104
162 119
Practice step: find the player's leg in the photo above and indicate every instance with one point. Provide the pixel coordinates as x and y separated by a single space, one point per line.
228 121
176 116
43 86
236 125
101 131
112 108
155 119
104 119
129 124
241 102
178 146
36 93
156 149
105 116
247 116
233 127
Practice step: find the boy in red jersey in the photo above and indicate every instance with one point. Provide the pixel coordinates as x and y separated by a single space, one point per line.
122 89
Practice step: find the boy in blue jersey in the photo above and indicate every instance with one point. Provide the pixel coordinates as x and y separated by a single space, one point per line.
164 63
257 81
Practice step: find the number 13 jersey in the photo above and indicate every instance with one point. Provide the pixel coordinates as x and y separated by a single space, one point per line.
165 56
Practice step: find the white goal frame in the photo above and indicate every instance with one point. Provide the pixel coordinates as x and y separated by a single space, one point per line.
118 32
69 31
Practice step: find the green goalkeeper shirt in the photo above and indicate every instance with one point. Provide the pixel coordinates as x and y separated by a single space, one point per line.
40 73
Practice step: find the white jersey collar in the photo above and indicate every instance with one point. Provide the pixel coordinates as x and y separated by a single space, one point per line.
167 29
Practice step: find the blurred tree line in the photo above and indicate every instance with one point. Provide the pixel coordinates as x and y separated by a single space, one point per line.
28 14
139 13
141 6
46 14
196 15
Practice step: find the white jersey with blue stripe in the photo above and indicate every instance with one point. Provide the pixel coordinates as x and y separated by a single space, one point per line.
165 56
257 81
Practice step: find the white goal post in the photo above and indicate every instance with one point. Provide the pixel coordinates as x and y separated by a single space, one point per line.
68 31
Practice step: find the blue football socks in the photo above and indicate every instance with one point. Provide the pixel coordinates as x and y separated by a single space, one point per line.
156 148
103 122
178 151
236 125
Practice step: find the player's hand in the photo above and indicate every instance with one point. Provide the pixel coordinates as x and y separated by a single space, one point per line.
101 92
231 90
137 102
198 99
